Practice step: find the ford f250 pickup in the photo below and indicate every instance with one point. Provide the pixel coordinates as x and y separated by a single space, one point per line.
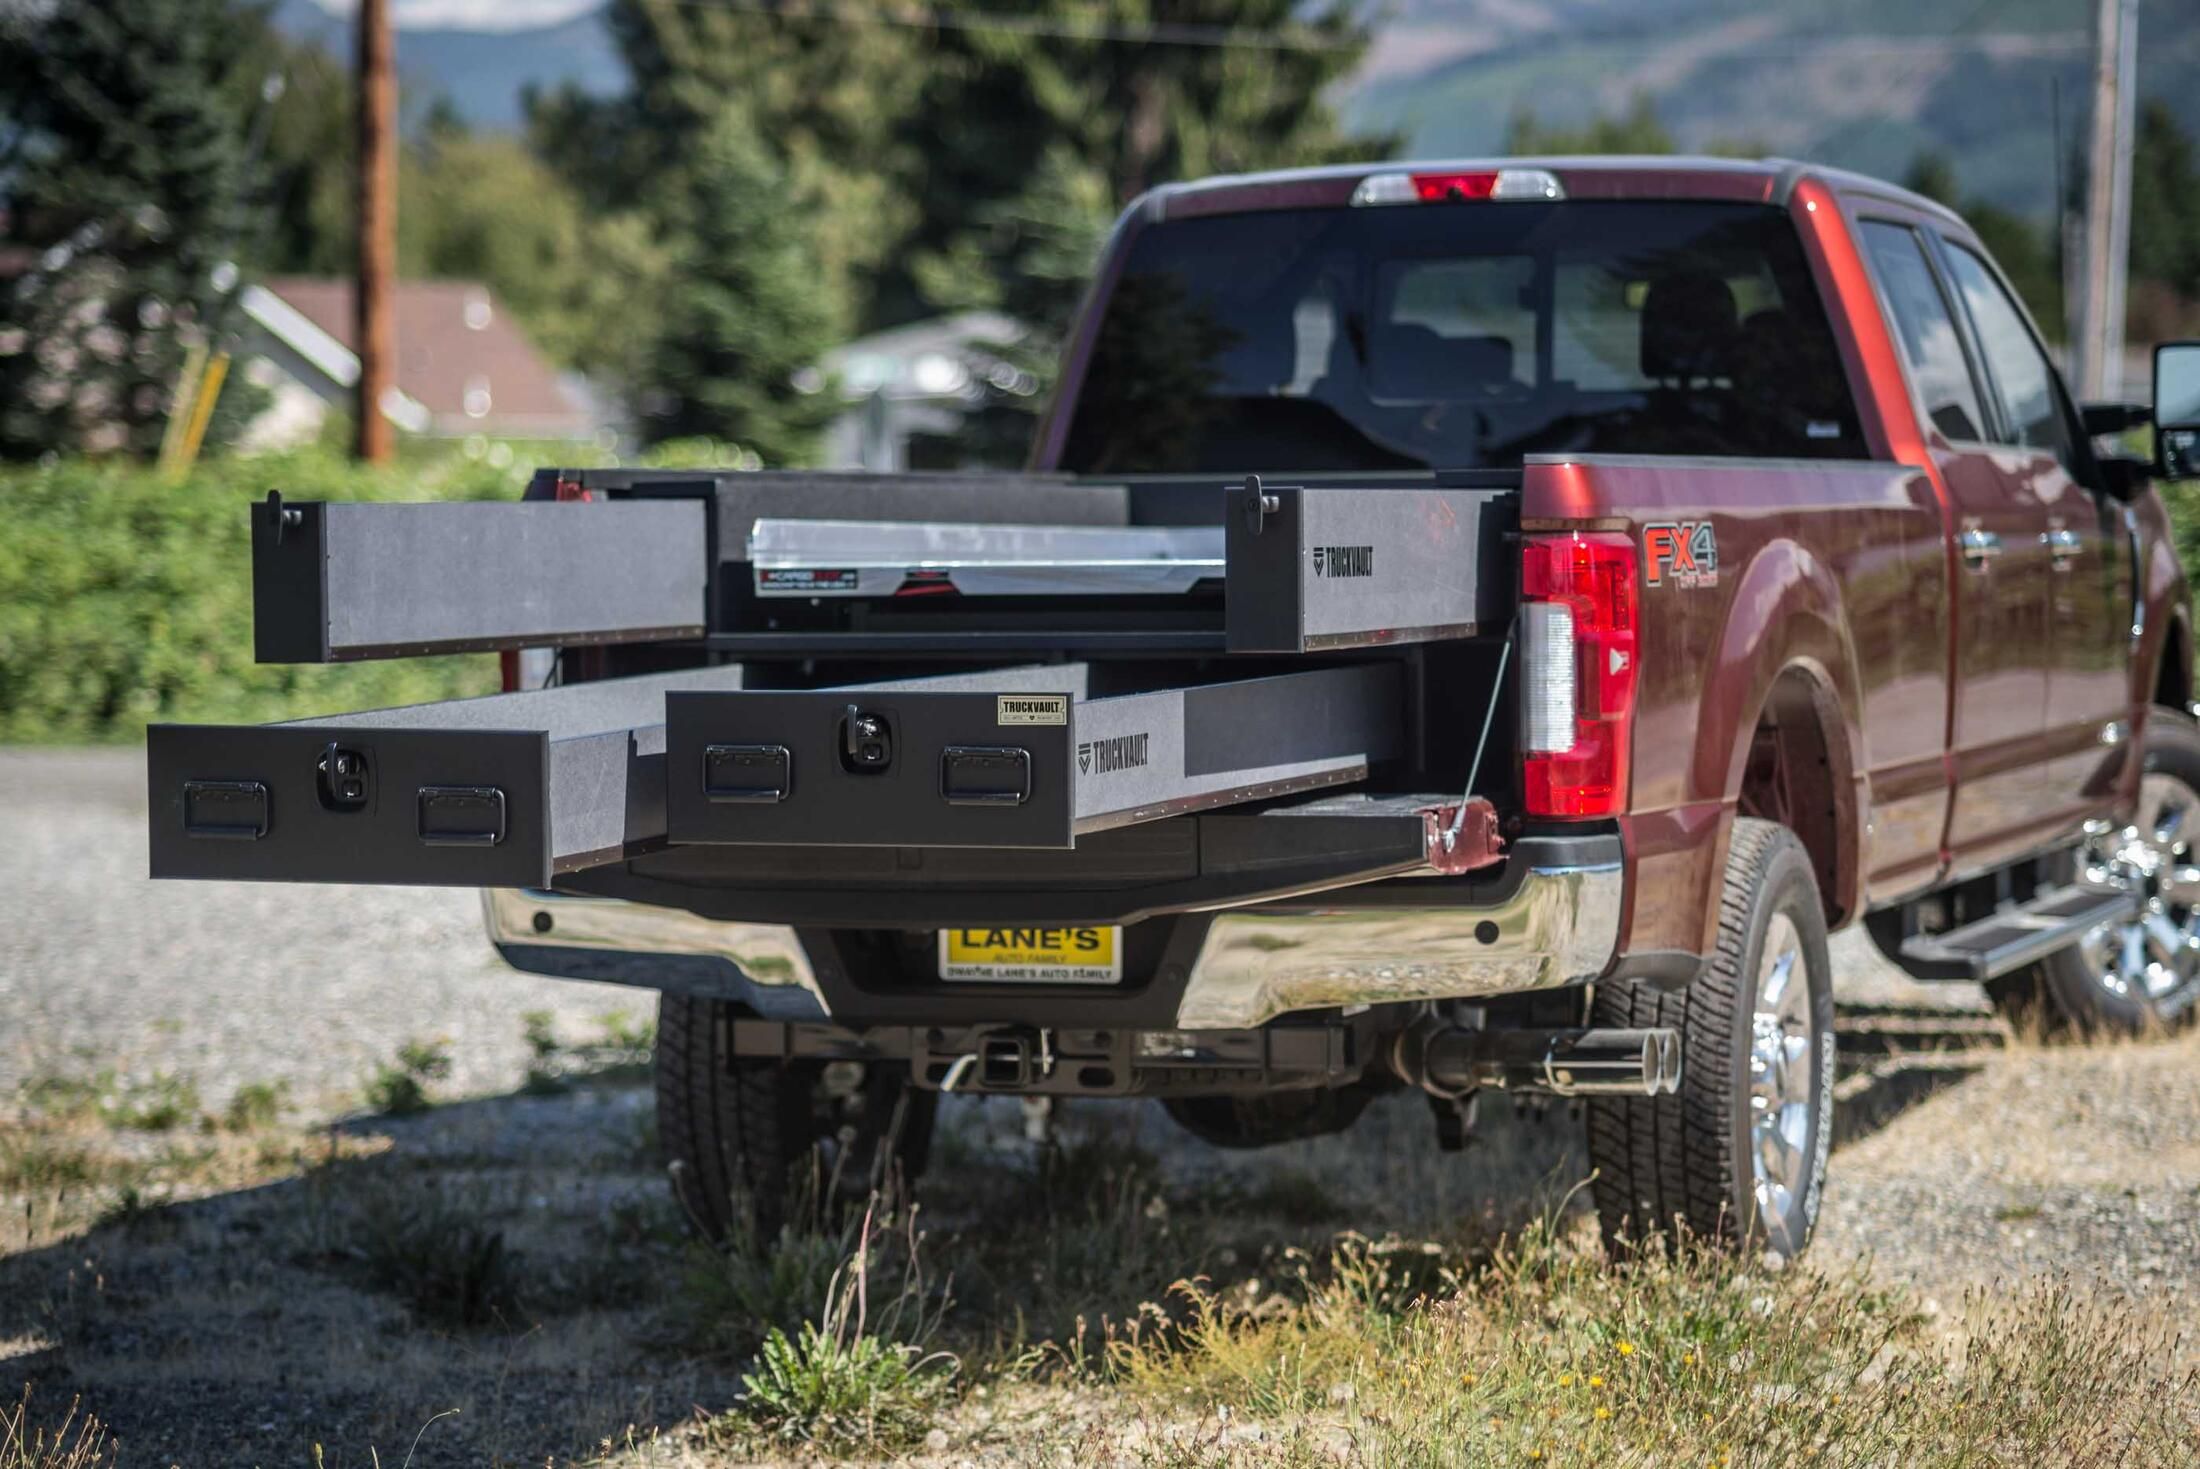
1465 626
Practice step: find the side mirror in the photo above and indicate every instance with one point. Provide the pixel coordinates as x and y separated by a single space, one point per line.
2177 409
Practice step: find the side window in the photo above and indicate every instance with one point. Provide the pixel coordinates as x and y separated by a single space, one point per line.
2023 380
1928 331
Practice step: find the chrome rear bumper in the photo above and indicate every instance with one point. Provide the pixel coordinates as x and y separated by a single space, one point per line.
1558 925
763 965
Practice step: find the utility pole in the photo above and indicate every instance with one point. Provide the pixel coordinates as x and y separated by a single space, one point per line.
374 327
2098 349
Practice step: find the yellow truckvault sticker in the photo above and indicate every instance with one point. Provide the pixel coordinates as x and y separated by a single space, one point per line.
1032 955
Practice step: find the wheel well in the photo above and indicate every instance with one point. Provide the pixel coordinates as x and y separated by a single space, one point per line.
1790 778
2173 680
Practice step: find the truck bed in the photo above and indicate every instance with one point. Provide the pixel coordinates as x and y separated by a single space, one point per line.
1045 662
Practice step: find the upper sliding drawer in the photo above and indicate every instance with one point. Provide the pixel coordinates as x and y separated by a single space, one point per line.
336 581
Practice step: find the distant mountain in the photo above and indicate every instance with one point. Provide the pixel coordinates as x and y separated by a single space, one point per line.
1866 84
481 72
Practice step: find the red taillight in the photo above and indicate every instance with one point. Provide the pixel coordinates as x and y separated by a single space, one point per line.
1577 672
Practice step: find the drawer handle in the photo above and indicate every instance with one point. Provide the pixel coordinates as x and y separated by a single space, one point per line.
225 810
747 775
461 816
985 775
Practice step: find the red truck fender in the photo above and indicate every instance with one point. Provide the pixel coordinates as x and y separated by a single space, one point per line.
1786 658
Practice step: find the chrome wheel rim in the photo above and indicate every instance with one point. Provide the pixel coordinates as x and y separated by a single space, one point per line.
2151 960
1782 1083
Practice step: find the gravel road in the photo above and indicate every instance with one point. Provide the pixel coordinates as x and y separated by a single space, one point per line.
227 984
1952 1172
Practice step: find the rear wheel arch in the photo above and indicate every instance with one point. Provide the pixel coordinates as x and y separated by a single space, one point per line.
1794 761
1786 615
1795 768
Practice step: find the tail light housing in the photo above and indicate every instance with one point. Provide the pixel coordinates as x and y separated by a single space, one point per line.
1579 606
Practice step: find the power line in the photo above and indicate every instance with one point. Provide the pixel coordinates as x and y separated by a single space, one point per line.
921 17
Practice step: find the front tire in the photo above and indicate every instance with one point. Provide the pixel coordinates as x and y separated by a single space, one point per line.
2143 975
1737 1157
744 1138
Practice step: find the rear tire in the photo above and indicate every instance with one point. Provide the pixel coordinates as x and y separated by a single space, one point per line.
1737 1157
743 1138
2142 976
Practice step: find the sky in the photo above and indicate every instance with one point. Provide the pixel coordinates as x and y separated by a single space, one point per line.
475 15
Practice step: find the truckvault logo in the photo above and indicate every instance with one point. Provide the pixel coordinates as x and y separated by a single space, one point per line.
1031 709
1344 561
1684 552
1118 752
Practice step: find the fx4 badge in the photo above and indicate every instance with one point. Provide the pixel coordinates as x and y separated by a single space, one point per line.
1683 552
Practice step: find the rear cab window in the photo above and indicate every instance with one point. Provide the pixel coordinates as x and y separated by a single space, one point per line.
1461 336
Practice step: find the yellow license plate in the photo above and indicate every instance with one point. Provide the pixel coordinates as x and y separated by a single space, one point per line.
1032 955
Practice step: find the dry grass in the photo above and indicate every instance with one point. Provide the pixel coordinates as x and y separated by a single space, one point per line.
1092 1302
1548 1356
76 1441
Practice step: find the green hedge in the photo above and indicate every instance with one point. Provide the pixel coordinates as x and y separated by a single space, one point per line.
126 599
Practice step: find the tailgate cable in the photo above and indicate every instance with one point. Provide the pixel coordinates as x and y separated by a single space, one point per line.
1497 691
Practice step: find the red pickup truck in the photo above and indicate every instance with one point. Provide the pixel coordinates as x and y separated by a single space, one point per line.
1682 558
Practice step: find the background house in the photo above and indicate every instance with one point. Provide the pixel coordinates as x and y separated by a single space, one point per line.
910 390
463 365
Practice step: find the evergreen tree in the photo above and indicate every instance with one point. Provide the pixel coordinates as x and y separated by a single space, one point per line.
2165 202
1031 144
825 94
482 207
952 168
123 181
746 309
306 177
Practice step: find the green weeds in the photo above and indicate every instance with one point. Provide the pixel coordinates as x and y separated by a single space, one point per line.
860 1375
159 1103
553 1064
400 1089
256 1106
408 1237
539 1027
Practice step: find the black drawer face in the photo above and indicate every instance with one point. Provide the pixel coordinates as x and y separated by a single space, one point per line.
852 767
1026 767
464 808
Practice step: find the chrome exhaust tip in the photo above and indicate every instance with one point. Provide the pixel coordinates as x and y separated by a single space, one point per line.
1561 1063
